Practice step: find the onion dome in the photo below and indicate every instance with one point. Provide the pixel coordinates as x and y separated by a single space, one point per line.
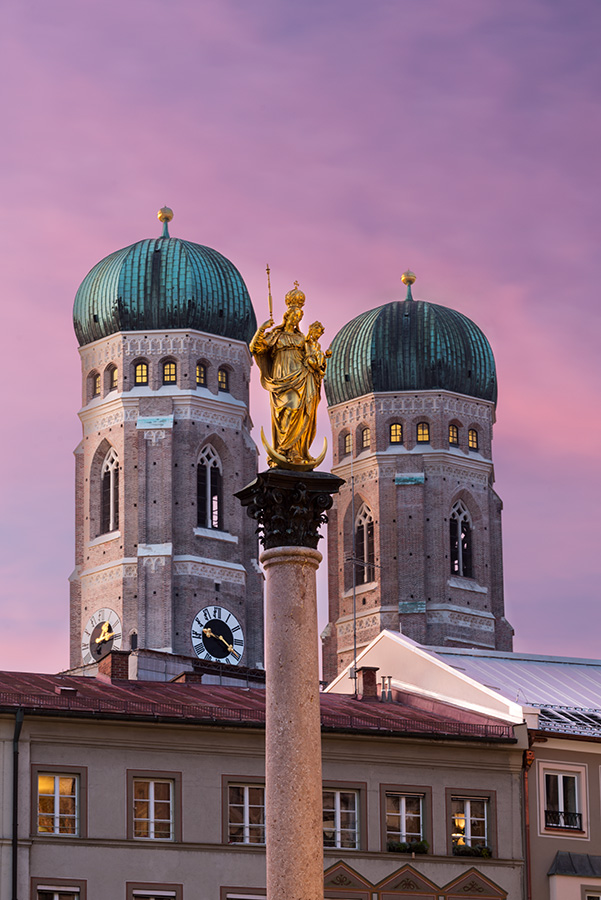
410 345
163 283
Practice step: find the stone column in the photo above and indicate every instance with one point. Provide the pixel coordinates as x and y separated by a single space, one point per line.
289 507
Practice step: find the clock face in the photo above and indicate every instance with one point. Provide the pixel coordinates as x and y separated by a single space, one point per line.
101 635
217 635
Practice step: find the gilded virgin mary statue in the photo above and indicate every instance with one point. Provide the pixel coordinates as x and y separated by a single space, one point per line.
292 367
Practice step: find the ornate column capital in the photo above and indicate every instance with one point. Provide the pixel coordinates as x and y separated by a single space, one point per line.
289 506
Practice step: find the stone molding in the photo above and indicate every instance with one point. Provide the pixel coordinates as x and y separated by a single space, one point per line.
214 569
349 412
113 571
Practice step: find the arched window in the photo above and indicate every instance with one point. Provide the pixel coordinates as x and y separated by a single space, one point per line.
365 439
460 530
113 378
396 433
348 444
223 380
96 384
472 439
109 500
141 372
344 444
423 433
169 372
209 492
364 546
201 375
453 434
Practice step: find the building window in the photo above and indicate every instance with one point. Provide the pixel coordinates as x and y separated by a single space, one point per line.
364 546
469 826
396 433
139 891
246 814
109 517
472 439
96 384
223 380
153 809
141 373
348 444
423 433
460 531
169 372
201 375
453 435
112 378
562 801
365 439
340 819
60 894
58 803
404 818
209 490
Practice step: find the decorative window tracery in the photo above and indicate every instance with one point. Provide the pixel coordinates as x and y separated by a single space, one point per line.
364 546
209 489
460 529
109 513
396 433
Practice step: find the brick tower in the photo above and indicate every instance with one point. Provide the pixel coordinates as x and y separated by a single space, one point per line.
165 562
414 540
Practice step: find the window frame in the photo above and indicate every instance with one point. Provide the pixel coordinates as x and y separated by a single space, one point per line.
210 461
109 515
246 785
490 798
233 780
170 377
137 364
364 561
558 767
461 541
360 790
453 434
144 890
225 372
81 774
365 441
96 384
201 370
422 428
473 439
407 790
77 886
176 804
392 440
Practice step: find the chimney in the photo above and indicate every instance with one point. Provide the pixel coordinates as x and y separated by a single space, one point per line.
367 685
187 678
114 665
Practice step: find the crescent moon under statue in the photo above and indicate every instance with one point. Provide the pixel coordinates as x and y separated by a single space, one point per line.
283 463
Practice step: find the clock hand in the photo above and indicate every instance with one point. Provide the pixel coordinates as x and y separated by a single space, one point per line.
105 634
221 638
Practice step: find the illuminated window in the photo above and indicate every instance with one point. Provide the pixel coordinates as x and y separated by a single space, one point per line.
109 513
396 433
423 433
57 804
404 818
460 530
96 385
201 375
223 380
348 444
113 378
153 809
141 373
209 489
472 439
453 434
365 439
364 546
246 814
169 373
469 826
340 819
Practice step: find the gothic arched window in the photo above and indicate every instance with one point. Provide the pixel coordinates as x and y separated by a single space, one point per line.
364 546
96 384
112 378
348 443
109 499
365 439
460 531
209 492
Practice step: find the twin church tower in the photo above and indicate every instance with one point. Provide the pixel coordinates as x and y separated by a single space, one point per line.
166 562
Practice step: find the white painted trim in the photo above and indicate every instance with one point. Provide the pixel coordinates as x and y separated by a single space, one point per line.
466 584
155 549
124 561
216 534
104 538
203 560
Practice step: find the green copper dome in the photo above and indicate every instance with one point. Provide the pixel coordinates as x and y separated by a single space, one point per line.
163 283
410 345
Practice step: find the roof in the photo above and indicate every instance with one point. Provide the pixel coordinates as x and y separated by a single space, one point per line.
70 695
410 345
582 864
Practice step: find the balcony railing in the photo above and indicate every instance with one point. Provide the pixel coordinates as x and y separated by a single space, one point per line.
555 818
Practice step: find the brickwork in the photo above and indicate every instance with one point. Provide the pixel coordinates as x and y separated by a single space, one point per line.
158 568
410 488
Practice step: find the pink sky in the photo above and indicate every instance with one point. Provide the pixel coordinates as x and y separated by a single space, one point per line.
342 141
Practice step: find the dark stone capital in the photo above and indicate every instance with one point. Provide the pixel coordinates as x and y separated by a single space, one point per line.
289 506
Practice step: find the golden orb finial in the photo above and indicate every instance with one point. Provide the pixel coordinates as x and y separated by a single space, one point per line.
165 214
295 297
408 277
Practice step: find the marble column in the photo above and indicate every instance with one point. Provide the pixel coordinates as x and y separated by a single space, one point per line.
289 508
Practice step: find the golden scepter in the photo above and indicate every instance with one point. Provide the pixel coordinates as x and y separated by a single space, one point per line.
270 299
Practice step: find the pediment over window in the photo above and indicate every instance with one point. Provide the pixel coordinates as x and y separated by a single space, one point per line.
342 881
474 884
406 882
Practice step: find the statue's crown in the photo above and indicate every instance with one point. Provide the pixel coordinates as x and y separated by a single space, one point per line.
295 297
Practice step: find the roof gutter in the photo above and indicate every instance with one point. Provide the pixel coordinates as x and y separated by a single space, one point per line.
19 716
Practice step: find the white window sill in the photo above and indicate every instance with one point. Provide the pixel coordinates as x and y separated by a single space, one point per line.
216 535
467 584
362 588
104 538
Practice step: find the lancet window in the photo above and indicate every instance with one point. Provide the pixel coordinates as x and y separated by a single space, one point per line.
209 489
460 528
364 546
109 514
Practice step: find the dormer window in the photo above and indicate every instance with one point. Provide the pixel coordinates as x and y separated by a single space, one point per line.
223 380
423 433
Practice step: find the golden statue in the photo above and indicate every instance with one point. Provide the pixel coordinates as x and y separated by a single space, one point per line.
292 367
